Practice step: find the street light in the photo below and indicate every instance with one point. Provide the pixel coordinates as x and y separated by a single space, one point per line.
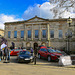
68 34
69 21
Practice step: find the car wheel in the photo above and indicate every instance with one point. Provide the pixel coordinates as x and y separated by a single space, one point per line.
49 58
39 56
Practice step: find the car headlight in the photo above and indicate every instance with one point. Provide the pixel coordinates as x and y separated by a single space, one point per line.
21 57
31 57
52 55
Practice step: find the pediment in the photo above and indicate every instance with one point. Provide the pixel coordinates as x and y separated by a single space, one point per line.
35 19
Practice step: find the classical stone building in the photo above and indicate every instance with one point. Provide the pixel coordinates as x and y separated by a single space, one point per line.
2 32
40 31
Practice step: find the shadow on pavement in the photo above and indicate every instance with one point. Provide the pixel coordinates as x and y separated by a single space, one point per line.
39 62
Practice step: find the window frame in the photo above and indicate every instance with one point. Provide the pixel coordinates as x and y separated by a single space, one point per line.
51 33
42 33
9 34
28 34
22 31
60 34
37 35
15 34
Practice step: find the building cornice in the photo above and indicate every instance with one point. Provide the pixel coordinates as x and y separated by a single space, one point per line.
46 20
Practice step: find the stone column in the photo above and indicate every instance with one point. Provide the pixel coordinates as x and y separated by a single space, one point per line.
12 34
25 33
56 32
6 34
18 34
48 35
48 32
24 44
31 44
32 32
40 31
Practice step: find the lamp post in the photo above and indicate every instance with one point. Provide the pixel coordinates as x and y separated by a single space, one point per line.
69 34
69 21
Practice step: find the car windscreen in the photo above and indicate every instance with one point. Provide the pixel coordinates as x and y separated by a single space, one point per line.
51 50
24 53
17 49
43 49
58 51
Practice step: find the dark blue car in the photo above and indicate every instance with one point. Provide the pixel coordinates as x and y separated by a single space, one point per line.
25 56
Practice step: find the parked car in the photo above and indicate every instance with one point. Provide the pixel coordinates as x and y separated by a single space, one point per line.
25 56
15 51
49 54
42 46
62 52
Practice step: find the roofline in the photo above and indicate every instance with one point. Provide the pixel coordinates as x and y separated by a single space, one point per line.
50 20
1 29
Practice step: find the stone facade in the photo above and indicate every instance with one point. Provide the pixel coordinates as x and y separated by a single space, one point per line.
2 32
40 24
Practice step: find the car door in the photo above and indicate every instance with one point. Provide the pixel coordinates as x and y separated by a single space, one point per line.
41 52
44 53
17 51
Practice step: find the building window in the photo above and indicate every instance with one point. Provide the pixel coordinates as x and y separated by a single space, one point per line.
15 34
44 33
22 34
36 33
29 33
52 33
9 33
60 33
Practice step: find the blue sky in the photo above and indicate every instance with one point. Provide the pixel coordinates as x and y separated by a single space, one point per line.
17 7
18 10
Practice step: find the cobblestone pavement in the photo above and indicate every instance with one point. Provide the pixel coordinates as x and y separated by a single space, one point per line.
41 68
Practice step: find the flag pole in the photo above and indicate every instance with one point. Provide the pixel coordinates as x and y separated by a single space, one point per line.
40 10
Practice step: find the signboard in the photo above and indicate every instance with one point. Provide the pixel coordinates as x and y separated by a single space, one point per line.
65 61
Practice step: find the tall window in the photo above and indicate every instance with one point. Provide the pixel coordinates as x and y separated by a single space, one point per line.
29 33
22 34
36 33
44 33
9 33
52 33
15 34
60 33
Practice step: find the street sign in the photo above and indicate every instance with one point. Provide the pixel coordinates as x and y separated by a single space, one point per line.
65 61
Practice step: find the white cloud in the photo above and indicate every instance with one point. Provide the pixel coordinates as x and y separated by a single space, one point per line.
45 11
7 18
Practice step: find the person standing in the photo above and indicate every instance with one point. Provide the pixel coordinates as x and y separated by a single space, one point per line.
3 47
32 51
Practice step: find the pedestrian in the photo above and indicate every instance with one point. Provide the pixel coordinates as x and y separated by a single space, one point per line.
32 51
3 46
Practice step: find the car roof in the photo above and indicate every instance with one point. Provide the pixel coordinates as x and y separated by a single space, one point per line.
43 47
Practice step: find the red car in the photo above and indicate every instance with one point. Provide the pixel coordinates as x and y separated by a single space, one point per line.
15 51
49 54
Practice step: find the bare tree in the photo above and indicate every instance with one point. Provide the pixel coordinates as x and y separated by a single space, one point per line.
62 6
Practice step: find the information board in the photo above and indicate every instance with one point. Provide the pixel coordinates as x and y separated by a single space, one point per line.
65 60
